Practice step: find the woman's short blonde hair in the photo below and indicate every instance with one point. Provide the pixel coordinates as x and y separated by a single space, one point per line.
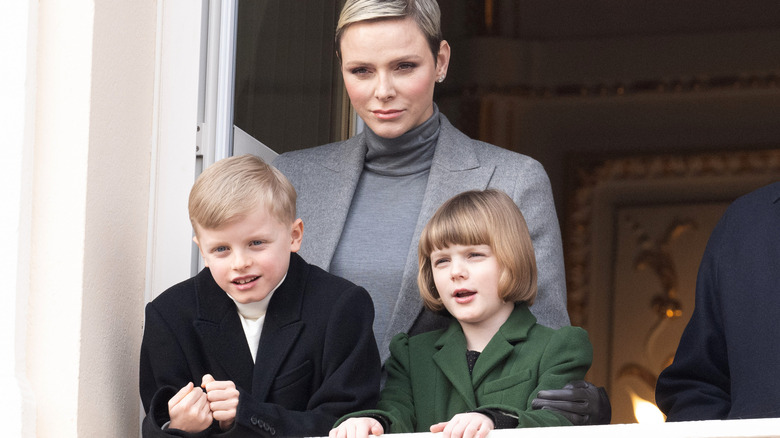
425 13
232 187
488 217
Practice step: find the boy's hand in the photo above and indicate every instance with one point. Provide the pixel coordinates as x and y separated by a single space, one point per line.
359 427
189 410
222 399
467 425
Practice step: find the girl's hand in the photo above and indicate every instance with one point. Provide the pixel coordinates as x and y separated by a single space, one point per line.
467 425
189 410
359 427
222 400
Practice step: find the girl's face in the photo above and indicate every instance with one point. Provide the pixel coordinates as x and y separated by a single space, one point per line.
466 277
389 73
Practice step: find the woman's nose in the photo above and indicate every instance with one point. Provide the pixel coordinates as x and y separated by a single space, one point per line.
384 87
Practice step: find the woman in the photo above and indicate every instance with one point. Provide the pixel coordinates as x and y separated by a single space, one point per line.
364 201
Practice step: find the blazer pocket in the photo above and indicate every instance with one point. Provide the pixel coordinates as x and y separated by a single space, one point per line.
508 381
301 372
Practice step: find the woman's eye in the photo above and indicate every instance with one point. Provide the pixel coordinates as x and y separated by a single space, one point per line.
406 66
359 71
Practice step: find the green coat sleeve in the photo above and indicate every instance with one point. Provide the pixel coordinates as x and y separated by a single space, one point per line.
397 402
566 357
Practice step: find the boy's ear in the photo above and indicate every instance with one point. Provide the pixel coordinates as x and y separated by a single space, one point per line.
296 235
205 262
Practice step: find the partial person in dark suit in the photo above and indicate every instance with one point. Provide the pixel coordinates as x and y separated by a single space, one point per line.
477 267
259 343
727 361
366 200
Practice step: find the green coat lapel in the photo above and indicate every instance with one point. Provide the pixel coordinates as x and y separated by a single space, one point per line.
451 360
514 330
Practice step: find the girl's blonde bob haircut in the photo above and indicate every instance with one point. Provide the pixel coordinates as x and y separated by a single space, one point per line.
425 13
234 186
490 218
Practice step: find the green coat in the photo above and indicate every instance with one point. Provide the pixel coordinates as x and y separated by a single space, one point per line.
428 378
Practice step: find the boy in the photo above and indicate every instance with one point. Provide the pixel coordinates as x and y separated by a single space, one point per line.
259 343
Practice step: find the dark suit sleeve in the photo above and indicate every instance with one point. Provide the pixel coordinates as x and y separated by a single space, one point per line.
163 371
697 385
162 361
351 371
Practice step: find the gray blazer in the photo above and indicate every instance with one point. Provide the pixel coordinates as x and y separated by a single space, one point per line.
326 177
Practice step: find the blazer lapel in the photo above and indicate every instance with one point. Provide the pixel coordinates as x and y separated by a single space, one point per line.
331 199
221 332
281 328
455 169
451 360
515 329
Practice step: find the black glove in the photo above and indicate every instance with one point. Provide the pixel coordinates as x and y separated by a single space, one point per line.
579 401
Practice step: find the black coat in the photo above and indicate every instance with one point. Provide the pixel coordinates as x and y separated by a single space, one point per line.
727 361
316 361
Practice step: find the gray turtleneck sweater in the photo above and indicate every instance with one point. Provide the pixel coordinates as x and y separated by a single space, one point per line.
381 221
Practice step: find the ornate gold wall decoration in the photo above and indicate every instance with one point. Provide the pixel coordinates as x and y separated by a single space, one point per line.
634 232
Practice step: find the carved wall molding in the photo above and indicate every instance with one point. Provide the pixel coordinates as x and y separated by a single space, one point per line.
696 84
704 175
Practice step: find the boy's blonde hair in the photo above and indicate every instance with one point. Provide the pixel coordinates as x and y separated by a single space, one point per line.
425 13
490 218
232 187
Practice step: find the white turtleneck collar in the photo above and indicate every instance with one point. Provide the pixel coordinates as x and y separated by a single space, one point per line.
252 316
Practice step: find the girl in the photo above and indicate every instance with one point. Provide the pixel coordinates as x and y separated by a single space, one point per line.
482 372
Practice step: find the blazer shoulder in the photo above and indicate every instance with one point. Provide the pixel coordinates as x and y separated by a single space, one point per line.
307 152
750 221
298 160
486 151
176 296
505 157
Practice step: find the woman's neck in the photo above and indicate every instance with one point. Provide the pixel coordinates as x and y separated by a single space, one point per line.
408 154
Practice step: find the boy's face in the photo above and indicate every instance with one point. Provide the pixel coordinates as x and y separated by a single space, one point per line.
466 277
249 255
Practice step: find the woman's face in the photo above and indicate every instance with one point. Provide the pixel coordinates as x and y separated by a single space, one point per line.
389 72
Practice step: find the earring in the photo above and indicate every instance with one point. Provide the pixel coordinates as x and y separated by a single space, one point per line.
441 79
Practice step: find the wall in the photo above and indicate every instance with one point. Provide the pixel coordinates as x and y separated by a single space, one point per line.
88 100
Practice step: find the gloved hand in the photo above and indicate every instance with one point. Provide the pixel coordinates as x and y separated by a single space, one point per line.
579 401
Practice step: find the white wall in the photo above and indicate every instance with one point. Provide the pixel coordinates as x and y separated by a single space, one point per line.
80 78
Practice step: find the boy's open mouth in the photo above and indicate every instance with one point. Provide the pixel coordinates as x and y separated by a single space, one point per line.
245 280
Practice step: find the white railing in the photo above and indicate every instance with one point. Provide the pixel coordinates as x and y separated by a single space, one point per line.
760 428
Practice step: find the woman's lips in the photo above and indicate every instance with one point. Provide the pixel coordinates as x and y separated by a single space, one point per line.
387 114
